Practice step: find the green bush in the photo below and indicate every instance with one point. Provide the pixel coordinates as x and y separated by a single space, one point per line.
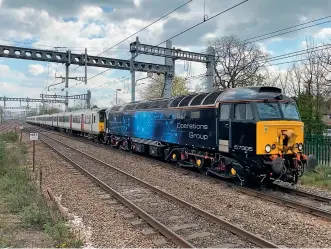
36 215
9 136
320 177
62 235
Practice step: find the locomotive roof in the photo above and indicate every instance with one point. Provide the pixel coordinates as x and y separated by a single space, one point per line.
204 99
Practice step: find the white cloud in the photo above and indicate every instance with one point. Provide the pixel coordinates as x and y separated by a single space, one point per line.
323 33
36 69
4 70
91 13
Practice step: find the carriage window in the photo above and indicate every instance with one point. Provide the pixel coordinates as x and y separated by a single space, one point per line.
225 112
101 117
93 119
290 110
268 110
243 111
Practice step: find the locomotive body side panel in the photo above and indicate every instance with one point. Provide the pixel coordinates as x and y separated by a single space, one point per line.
186 127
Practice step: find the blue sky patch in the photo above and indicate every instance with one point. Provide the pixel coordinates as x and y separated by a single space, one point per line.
107 9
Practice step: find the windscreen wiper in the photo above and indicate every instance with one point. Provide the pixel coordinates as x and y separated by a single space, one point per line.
286 104
269 104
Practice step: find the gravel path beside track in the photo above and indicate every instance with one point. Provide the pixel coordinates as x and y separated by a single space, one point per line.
104 226
281 225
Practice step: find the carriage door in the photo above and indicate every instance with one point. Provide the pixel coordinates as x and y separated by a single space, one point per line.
82 123
224 127
70 117
91 122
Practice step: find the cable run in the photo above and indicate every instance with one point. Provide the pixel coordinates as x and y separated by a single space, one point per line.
137 33
287 28
202 22
297 53
191 27
291 31
146 26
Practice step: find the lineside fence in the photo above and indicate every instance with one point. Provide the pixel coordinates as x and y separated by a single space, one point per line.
320 146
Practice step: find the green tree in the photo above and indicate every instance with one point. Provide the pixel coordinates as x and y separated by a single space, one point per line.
155 87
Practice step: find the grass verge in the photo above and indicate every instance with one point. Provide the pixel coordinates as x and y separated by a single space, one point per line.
320 177
24 198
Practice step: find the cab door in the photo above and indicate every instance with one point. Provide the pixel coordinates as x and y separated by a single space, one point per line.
224 127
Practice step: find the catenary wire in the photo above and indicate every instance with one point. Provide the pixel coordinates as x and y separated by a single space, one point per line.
298 25
188 29
141 29
194 26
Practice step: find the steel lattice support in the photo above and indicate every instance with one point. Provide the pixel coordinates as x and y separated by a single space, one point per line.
80 96
86 97
168 52
177 54
79 59
31 100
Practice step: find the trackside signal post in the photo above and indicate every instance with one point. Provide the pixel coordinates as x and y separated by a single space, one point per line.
21 128
33 138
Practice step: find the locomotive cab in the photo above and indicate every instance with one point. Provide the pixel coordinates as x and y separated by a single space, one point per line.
261 130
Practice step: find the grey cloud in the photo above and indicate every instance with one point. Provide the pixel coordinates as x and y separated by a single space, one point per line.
65 8
250 19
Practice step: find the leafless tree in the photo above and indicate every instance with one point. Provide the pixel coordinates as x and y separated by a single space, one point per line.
237 63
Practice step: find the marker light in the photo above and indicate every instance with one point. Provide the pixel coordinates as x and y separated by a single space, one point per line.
268 148
300 146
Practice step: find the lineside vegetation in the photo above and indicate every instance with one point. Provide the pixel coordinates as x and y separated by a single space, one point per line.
23 197
319 177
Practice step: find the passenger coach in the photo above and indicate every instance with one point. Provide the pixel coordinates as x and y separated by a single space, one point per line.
88 123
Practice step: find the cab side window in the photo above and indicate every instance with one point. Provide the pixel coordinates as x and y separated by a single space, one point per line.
225 112
243 112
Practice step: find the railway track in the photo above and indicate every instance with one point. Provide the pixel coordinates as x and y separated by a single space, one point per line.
6 127
302 201
182 223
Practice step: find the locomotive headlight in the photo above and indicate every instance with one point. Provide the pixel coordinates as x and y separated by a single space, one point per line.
300 146
267 148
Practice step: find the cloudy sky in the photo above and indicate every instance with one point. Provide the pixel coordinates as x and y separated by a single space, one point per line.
100 24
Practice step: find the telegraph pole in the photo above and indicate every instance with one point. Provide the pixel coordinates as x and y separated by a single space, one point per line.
85 66
88 99
117 90
67 81
210 68
133 74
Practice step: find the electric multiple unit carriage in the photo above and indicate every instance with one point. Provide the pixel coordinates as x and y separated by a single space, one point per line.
252 134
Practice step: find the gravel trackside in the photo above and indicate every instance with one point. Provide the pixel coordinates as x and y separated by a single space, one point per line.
103 226
281 225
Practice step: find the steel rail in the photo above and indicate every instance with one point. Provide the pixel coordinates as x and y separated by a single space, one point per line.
151 220
303 193
213 218
276 199
284 201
